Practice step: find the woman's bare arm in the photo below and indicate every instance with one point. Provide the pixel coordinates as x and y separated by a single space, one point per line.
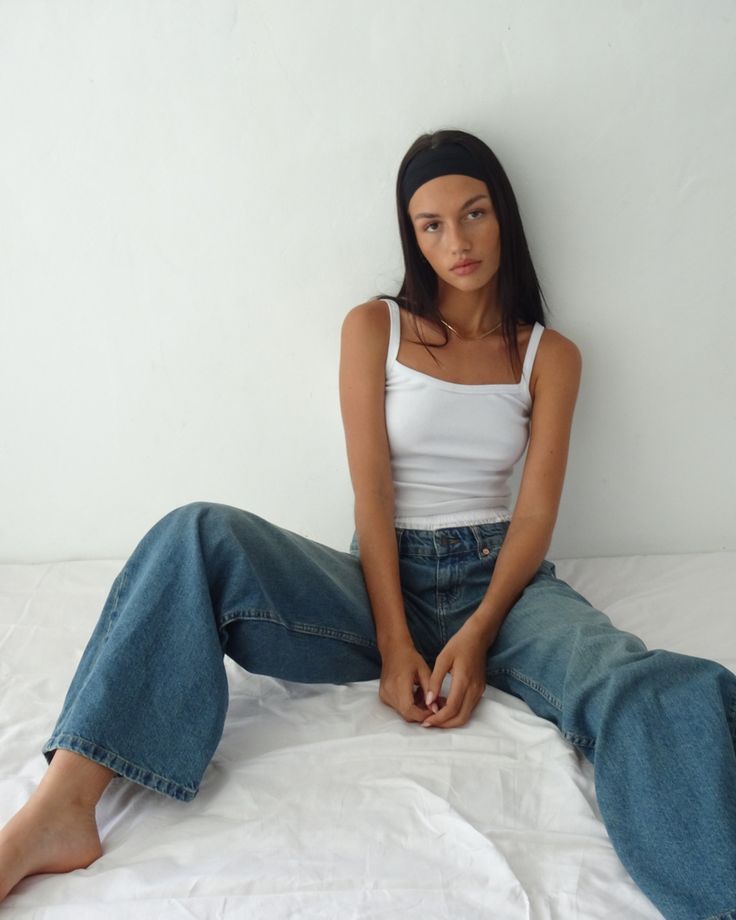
365 335
555 383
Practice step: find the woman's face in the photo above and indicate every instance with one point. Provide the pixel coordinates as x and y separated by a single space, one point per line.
454 221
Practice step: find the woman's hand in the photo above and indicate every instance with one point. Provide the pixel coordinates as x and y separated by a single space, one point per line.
464 656
402 669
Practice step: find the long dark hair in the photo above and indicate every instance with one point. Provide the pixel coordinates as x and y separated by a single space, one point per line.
520 295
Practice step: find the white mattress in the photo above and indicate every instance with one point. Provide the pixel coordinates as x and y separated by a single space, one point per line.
321 802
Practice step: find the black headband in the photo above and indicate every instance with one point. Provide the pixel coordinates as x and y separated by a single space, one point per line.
447 159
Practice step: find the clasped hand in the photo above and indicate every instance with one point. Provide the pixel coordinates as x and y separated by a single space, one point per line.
463 656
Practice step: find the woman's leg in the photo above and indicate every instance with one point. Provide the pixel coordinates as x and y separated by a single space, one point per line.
660 729
149 696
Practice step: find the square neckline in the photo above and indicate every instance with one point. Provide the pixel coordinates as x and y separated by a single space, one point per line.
395 339
463 386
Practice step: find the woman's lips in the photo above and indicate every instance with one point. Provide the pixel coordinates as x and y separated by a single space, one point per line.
466 269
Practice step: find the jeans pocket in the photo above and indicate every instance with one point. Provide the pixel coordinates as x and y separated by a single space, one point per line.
548 568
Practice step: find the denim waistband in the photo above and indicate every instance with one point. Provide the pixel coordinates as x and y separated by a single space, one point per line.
449 541
446 541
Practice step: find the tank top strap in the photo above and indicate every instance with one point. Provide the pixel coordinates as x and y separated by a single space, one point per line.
395 336
531 351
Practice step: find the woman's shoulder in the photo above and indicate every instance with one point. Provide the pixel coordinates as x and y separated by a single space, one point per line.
558 359
558 347
368 326
370 309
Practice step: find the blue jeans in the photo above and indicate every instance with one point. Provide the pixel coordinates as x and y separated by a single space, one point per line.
209 579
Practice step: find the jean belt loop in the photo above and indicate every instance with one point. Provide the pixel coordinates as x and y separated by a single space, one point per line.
478 537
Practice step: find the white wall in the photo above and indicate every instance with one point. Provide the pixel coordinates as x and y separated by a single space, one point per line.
194 192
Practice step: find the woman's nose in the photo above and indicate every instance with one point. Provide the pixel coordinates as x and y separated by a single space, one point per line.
458 240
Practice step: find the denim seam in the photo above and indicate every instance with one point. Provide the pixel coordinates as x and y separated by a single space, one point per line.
459 554
727 915
578 740
327 632
118 764
438 612
540 688
114 609
731 716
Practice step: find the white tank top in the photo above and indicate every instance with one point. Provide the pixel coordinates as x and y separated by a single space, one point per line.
453 445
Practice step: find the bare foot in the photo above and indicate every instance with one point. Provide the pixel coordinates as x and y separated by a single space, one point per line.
45 836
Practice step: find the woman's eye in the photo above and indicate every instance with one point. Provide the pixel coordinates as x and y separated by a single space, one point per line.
479 211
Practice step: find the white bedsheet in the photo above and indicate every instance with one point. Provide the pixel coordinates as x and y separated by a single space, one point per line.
321 802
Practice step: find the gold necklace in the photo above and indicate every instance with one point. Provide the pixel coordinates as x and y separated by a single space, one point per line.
471 338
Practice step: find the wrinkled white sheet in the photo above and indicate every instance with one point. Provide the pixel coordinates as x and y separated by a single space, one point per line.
321 802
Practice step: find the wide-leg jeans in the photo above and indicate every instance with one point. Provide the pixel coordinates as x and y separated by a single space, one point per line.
149 696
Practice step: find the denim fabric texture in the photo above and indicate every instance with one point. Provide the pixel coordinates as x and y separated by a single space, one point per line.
210 580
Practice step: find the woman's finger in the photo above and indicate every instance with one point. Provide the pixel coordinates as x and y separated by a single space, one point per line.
424 676
454 703
420 701
436 679
415 714
459 720
466 710
412 706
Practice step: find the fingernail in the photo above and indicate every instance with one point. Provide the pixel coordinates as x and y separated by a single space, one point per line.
430 697
435 707
426 724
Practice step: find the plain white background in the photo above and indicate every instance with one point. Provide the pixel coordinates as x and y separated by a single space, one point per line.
194 193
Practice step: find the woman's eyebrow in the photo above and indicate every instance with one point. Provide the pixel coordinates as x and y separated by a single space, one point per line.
461 208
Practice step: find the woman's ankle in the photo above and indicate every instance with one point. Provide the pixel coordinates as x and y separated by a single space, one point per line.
74 778
48 834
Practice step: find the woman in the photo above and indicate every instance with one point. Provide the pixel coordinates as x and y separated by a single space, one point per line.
442 388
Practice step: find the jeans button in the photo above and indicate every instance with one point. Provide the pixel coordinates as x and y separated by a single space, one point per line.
485 551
